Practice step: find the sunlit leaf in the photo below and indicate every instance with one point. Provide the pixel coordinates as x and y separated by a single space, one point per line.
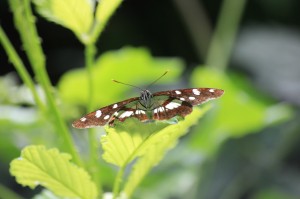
105 9
76 15
131 65
54 171
147 142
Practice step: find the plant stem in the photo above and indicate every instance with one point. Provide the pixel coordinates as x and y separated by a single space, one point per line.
25 23
7 193
224 36
118 181
90 51
17 62
197 23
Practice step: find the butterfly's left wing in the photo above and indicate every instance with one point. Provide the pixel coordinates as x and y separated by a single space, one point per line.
103 115
180 102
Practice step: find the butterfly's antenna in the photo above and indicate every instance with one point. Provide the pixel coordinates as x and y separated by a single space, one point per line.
158 78
127 84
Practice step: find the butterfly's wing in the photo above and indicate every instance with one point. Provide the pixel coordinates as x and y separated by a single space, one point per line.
180 102
103 115
193 96
130 110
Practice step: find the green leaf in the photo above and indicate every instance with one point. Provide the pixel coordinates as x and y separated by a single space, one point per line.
131 65
105 9
53 170
147 142
240 111
76 15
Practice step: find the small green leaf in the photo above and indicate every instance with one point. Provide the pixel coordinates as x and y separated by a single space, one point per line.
105 9
53 170
131 65
148 142
76 15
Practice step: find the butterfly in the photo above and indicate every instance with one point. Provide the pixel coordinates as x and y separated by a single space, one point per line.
162 105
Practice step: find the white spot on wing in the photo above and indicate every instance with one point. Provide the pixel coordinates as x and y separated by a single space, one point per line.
159 109
126 114
182 99
192 98
172 105
83 119
196 91
106 117
115 106
137 112
178 92
98 114
211 90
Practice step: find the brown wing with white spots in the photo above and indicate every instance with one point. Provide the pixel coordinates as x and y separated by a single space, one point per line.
102 116
194 96
171 108
126 112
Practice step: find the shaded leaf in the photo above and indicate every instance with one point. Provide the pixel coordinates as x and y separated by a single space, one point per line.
53 170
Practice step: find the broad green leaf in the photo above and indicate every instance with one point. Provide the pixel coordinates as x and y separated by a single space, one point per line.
54 171
147 142
131 65
76 15
156 147
240 111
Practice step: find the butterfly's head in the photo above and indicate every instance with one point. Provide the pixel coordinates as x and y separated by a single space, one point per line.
145 98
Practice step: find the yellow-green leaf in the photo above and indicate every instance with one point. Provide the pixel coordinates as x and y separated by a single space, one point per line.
156 146
147 142
54 171
76 15
105 9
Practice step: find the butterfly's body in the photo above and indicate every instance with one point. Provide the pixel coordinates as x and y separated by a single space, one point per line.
162 105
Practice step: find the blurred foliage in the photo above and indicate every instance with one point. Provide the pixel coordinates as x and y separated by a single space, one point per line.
242 110
116 65
240 149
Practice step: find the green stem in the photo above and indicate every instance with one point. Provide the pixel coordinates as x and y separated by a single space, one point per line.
7 193
25 23
17 62
226 30
90 51
118 181
197 23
